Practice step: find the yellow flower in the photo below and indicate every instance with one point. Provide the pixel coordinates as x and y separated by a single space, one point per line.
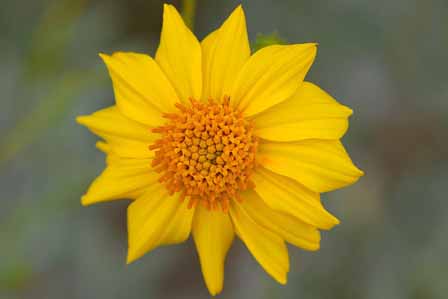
209 139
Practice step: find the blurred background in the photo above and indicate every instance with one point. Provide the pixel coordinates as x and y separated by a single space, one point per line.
385 59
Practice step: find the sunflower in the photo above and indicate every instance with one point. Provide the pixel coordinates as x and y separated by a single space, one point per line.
210 140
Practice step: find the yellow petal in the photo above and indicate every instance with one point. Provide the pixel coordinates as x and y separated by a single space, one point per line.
287 196
124 137
208 46
271 76
103 146
310 113
286 226
321 165
157 219
179 55
268 248
142 91
124 178
128 148
213 235
111 122
224 53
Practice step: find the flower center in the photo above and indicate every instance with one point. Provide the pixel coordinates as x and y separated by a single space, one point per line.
206 152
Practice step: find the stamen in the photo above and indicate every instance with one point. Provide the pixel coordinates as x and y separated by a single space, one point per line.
206 152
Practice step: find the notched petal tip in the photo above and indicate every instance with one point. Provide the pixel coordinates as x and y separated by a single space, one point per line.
215 292
283 280
316 247
167 5
169 9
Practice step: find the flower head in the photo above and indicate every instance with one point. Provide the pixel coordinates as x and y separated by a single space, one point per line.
210 140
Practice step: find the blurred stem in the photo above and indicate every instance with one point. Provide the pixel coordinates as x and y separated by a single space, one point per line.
48 112
188 12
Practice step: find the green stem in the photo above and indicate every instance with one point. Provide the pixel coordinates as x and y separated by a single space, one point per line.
188 12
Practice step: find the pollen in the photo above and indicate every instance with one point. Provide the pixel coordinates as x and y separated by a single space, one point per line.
206 152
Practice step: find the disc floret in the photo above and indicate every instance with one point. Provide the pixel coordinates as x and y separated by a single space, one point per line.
206 152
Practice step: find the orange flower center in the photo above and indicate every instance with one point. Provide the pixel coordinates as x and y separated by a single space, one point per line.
206 152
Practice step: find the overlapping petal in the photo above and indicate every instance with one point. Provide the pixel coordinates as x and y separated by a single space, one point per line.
268 248
321 165
288 196
213 234
270 76
310 113
157 219
142 91
125 137
122 179
110 122
289 228
224 53
179 55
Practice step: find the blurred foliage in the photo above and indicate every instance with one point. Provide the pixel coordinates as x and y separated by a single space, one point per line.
384 59
264 40
188 12
50 110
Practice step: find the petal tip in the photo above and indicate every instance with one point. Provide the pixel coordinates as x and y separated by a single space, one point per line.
214 291
330 222
103 56
102 146
349 111
316 247
283 280
313 47
131 257
169 8
308 47
239 9
360 173
85 201
81 119
336 221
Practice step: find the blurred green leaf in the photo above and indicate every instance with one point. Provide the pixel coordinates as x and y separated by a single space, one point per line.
264 40
16 276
